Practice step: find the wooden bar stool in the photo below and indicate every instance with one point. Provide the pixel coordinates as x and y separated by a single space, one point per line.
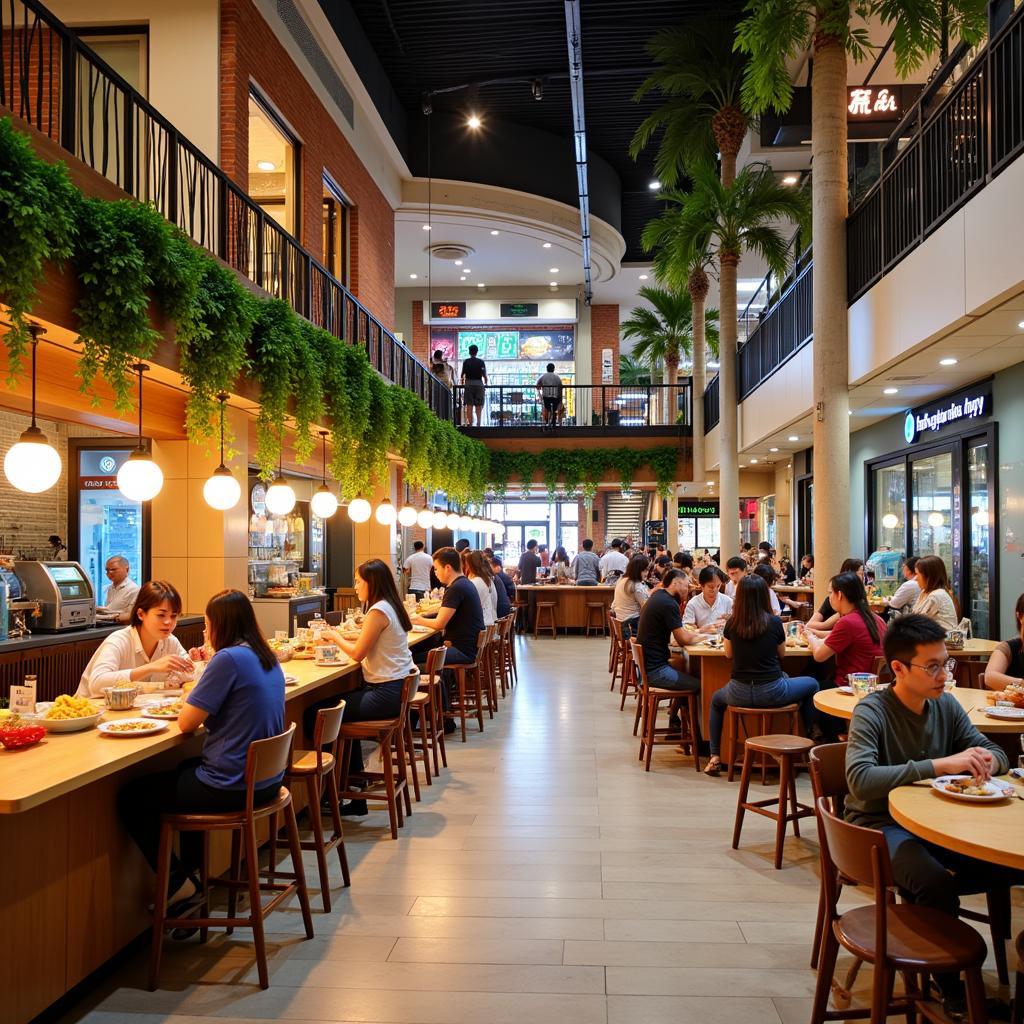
315 768
392 782
510 650
756 722
468 699
595 617
786 750
545 609
500 654
617 655
431 725
521 611
651 699
265 759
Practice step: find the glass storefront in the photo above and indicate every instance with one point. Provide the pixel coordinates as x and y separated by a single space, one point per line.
932 503
978 533
554 525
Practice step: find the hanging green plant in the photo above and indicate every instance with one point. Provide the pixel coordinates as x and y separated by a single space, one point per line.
275 335
625 462
306 375
552 463
38 215
663 462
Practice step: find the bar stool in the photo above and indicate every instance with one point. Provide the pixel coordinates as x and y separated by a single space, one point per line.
265 759
617 655
651 699
545 608
431 725
784 749
763 719
468 699
502 658
388 733
595 610
510 650
521 611
314 768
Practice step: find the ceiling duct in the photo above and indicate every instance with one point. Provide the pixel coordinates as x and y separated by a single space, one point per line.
450 251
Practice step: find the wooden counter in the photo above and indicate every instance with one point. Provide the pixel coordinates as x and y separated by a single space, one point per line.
76 887
571 602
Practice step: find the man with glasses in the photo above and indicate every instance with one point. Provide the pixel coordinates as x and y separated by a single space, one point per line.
121 593
914 730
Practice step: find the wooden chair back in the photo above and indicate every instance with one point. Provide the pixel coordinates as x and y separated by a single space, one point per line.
616 628
638 661
265 759
482 640
828 774
435 663
857 853
328 726
412 684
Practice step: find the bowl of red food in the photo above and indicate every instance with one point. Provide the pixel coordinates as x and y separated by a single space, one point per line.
16 734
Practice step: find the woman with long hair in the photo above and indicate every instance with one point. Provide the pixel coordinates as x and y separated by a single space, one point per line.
935 600
477 570
560 569
239 699
822 621
382 651
755 641
1006 663
145 649
631 593
855 641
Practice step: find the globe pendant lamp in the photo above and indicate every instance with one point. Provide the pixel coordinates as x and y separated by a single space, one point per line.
280 498
324 503
438 520
385 514
359 510
453 521
425 518
222 490
140 478
407 514
32 464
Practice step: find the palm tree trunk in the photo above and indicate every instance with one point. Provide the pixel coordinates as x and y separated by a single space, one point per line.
831 509
727 171
728 440
671 378
699 383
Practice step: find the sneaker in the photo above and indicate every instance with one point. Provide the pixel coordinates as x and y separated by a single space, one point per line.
449 727
354 809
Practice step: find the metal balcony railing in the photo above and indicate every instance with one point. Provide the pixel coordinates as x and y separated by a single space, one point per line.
594 407
52 80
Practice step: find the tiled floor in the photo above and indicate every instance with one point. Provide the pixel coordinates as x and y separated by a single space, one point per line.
545 878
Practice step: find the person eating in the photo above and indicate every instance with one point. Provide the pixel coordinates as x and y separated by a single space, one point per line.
735 569
586 566
822 621
903 601
1006 663
710 607
855 641
121 594
935 600
767 573
478 572
146 649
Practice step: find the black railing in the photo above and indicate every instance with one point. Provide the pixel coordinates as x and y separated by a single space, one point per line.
597 407
962 135
711 406
52 80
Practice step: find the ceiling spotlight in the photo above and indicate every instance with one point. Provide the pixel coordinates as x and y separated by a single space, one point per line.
546 245
643 277
654 185
793 437
426 227
266 165
480 284
1021 325
537 88
553 270
948 361
473 122
495 232
890 391
554 284
413 276
753 462
849 412
462 279
790 179
773 449
467 270
458 263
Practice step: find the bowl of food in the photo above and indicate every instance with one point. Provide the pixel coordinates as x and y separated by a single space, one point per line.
17 734
68 714
282 648
121 697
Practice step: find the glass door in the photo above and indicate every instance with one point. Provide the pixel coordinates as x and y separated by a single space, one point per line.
931 518
978 534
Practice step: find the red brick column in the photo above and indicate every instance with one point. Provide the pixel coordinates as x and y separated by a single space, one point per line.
420 341
604 333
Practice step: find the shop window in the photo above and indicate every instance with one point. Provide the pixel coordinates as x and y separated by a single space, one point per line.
273 165
890 504
687 539
932 513
708 534
335 231
979 533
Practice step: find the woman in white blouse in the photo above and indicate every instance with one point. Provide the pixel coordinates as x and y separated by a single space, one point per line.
935 600
476 569
146 649
631 594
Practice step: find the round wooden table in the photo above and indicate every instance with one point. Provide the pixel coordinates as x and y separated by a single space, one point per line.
989 832
974 702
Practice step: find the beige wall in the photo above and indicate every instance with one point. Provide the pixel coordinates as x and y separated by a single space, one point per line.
185 94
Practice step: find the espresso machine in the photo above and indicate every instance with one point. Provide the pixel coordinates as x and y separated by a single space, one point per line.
63 592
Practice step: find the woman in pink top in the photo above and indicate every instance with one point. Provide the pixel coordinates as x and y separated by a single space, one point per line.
855 641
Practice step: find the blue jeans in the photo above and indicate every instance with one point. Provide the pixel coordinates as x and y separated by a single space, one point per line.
668 677
784 690
629 627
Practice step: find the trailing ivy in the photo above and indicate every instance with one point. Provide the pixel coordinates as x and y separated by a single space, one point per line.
38 221
275 335
663 461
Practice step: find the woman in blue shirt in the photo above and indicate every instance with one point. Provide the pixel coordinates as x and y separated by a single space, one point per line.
239 699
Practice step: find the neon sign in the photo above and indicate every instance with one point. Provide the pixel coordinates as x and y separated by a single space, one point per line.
870 102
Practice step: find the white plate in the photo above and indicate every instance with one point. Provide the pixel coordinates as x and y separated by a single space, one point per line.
338 663
422 629
848 690
1008 714
291 680
110 728
151 712
994 790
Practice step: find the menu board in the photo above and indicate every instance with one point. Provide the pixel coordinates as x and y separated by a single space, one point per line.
505 346
491 344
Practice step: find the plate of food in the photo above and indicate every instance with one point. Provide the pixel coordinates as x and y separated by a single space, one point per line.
164 711
848 690
1007 714
964 787
68 714
131 727
303 650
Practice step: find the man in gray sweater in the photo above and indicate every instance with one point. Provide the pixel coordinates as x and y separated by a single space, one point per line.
915 730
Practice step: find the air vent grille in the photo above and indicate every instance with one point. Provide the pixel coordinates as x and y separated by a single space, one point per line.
450 251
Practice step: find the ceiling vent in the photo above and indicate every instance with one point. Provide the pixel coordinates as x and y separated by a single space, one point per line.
906 380
451 251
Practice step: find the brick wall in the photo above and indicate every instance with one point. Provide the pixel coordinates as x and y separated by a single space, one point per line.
604 333
594 529
420 333
251 53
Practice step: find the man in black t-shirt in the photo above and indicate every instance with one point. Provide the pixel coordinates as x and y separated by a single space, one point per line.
474 380
529 563
661 622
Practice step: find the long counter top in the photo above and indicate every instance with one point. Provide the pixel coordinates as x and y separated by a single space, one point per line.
70 636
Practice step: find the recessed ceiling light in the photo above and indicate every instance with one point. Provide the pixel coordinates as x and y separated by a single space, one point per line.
458 263
414 276
467 270
462 279
849 412
547 245
890 391
473 121
553 270
1021 325
753 462
948 361
266 165
654 185
495 232
643 277
773 449
554 284
743 465
480 284
793 437
790 179
710 484
426 227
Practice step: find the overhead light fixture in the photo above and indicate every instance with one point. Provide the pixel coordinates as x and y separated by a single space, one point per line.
438 520
458 263
773 449
495 232
324 503
753 462
467 270
553 270
426 227
413 277
890 391
936 519
32 464
222 491
462 278
1020 324
453 521
424 518
140 478
266 165
359 510
890 521
948 361
849 412
654 185
280 497
385 514
643 277
546 245
554 284
790 179
407 515
480 284
793 437
474 122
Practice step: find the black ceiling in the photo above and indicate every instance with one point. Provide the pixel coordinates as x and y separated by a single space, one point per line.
425 45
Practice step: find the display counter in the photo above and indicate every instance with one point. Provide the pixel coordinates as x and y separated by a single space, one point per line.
277 613
570 602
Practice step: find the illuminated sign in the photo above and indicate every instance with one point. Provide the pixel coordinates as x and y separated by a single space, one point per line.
447 311
703 508
928 420
513 309
871 102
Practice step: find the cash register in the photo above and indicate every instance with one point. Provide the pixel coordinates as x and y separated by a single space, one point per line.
64 593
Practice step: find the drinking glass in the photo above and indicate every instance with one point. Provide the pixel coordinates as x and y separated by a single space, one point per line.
950 680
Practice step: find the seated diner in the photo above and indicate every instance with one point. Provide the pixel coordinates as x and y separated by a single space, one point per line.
935 601
586 566
907 593
822 621
661 624
478 572
1006 663
631 593
855 641
710 608
120 595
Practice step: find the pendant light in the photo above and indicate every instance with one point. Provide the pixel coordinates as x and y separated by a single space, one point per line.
32 464
453 521
438 520
140 478
222 490
386 514
425 518
324 504
280 498
359 510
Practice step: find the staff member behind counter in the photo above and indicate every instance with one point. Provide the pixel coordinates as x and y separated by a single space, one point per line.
146 649
121 594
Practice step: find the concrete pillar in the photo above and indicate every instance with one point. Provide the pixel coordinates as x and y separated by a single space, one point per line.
728 434
672 522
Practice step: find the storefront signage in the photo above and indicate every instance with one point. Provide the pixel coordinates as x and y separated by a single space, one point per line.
607 367
881 102
447 311
513 309
700 508
956 410
505 346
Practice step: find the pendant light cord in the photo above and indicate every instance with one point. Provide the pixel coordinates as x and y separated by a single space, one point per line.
222 398
141 369
35 345
323 439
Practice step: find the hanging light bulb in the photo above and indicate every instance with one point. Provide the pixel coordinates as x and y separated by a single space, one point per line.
453 521
425 518
140 478
222 491
359 510
385 514
935 519
407 515
439 520
324 502
32 464
280 498
890 521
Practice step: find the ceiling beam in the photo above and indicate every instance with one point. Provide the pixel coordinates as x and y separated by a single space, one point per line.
574 39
